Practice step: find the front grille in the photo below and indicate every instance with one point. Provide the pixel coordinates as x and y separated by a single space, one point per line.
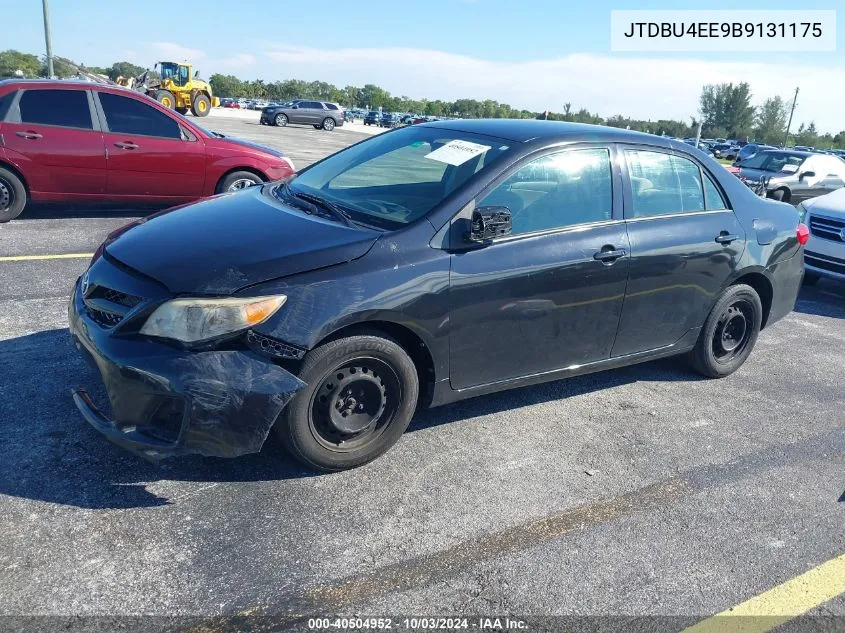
827 228
271 347
115 296
107 307
825 262
103 318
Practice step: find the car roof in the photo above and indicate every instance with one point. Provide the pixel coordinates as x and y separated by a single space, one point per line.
524 130
790 152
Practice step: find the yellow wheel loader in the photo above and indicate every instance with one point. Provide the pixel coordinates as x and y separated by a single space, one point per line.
174 86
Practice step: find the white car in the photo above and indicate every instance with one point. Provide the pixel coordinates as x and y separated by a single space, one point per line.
824 254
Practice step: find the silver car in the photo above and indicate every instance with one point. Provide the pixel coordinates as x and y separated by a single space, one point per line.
824 254
794 176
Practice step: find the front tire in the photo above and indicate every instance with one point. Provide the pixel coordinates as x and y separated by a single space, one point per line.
361 392
780 195
12 196
281 120
201 105
729 333
166 98
238 180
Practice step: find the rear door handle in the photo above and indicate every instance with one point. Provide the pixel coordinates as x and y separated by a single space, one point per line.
609 255
126 145
29 134
726 238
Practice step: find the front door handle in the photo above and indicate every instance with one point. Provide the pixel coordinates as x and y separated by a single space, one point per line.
126 145
29 134
726 238
609 254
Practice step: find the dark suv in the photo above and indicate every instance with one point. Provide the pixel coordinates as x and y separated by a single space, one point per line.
372 117
320 114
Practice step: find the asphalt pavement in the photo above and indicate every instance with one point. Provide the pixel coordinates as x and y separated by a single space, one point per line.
645 491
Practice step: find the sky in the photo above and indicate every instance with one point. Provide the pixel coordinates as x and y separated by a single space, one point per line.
535 54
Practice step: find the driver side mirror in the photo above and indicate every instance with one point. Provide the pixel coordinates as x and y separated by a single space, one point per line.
489 223
806 174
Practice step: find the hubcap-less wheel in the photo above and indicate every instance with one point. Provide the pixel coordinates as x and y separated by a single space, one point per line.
732 331
240 183
7 195
328 125
354 404
281 120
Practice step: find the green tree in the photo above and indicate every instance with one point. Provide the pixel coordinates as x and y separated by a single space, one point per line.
12 61
124 69
807 135
727 107
225 85
771 121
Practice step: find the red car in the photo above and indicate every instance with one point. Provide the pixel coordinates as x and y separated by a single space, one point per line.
63 141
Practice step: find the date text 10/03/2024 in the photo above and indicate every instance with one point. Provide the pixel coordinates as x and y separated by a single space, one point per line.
422 623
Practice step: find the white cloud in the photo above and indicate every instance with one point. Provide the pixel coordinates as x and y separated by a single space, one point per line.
633 86
239 60
176 52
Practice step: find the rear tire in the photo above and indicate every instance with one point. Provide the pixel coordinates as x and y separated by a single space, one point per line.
811 279
328 124
729 333
12 195
361 392
238 180
166 98
201 105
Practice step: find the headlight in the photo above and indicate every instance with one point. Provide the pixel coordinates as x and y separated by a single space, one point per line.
802 212
194 320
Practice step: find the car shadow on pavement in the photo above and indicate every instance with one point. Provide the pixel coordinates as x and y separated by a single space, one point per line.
826 298
64 211
50 454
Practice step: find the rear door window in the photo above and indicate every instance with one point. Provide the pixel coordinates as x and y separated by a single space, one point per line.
64 108
130 116
663 184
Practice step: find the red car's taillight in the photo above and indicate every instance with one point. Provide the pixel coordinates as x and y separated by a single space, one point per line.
802 233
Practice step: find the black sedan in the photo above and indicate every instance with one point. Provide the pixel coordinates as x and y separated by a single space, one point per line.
438 262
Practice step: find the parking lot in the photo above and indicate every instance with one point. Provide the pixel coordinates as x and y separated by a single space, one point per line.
645 491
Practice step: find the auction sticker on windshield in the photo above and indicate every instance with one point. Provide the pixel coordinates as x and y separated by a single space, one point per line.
457 152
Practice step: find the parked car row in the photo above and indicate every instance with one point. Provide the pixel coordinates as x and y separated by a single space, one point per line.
68 141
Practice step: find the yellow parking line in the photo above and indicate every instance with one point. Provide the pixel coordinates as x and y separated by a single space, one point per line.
27 258
779 604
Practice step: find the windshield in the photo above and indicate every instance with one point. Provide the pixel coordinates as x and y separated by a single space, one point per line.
394 179
168 69
772 161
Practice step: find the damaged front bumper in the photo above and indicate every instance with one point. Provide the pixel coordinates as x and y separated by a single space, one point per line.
162 401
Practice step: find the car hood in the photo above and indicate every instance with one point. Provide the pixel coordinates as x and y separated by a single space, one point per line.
228 140
832 204
755 174
225 243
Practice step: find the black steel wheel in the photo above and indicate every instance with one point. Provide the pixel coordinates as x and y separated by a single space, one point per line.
729 333
12 195
361 392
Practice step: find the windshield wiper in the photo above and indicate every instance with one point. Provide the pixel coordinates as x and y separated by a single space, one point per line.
335 210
